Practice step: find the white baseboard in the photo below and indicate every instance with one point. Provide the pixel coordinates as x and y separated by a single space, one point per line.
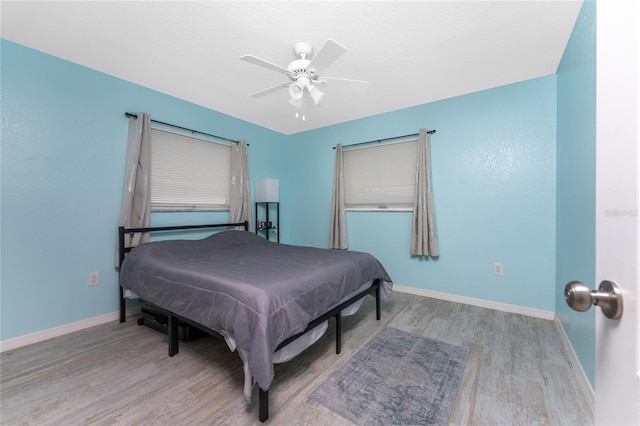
40 336
583 380
497 306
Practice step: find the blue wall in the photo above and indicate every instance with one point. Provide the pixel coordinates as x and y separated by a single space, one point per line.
63 150
576 194
63 158
494 182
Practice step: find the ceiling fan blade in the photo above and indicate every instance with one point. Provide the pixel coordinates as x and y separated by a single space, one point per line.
261 62
328 53
269 90
357 86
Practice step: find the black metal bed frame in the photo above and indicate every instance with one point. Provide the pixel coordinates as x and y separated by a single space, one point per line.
173 319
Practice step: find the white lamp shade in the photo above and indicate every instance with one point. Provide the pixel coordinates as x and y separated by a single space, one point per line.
267 190
296 90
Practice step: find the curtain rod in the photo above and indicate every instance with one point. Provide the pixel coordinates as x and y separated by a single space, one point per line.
385 139
128 114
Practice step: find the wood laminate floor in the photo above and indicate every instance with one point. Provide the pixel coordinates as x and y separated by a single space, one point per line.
518 373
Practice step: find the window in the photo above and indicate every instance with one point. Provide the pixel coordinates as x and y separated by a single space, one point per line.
188 173
380 177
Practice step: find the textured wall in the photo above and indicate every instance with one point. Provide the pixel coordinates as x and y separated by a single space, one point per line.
63 146
576 192
494 183
63 157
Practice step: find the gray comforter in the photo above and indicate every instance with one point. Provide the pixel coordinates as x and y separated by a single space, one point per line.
259 291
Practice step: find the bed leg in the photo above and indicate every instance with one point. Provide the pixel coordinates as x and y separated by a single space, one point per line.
173 334
378 316
338 332
123 307
263 402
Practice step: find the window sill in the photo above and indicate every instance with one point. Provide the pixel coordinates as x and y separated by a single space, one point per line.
378 209
160 209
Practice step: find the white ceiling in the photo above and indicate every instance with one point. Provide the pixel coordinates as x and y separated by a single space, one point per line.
411 52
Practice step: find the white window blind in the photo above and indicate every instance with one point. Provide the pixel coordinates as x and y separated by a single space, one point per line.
380 177
188 173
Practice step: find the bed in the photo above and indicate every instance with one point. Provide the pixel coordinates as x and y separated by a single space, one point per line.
260 296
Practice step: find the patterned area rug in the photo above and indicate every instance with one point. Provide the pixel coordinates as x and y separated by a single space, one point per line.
398 378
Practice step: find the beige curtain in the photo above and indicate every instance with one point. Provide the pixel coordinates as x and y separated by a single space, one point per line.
239 191
338 238
136 195
424 236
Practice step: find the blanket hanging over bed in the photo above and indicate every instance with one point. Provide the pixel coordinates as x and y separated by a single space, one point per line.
259 291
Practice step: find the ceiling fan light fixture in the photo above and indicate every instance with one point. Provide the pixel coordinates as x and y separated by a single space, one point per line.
304 73
296 90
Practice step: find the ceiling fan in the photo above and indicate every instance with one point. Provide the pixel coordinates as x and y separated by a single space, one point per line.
304 73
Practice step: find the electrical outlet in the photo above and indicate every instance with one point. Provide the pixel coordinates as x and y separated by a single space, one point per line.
94 279
498 269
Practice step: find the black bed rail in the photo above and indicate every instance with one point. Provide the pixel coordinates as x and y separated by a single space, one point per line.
374 290
122 231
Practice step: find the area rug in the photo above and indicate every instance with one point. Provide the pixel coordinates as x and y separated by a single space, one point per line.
398 378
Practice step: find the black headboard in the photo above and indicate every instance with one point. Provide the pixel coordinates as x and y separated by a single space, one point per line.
122 231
